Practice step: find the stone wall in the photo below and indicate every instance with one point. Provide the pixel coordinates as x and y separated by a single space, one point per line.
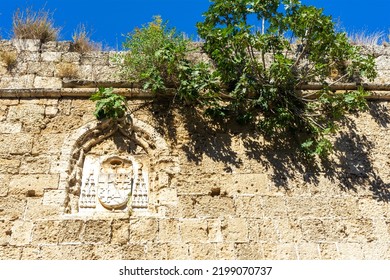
214 191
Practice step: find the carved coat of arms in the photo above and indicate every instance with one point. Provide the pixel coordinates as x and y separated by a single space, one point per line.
115 183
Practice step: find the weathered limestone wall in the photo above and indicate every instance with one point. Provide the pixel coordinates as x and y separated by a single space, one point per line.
215 192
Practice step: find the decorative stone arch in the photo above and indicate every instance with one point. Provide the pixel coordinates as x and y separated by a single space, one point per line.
140 176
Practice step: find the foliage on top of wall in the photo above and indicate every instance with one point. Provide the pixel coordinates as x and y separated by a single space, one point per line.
259 69
263 68
29 24
82 42
157 58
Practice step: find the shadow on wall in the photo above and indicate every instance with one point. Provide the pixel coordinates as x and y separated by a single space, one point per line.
351 166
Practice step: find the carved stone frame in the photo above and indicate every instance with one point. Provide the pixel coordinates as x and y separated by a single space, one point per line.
162 163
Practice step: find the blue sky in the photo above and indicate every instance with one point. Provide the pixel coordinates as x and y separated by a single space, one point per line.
109 20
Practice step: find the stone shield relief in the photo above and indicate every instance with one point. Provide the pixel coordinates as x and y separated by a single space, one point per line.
113 183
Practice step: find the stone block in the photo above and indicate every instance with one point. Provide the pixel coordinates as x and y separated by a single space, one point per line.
134 252
275 251
203 184
33 185
41 69
35 210
21 233
383 77
107 252
167 196
50 46
382 62
308 251
10 166
47 82
6 45
63 124
193 231
186 207
70 231
105 73
21 68
178 251
226 251
288 230
249 251
203 251
249 206
213 207
46 232
235 230
274 206
10 128
54 198
372 208
50 144
143 230
31 45
97 231
313 230
51 111
8 252
214 230
26 113
351 230
39 101
120 232
156 251
95 58
20 82
253 184
3 113
16 144
375 251
168 230
86 72
267 231
64 46
380 230
30 253
35 165
310 207
27 56
345 208
4 181
5 232
51 56
30 115
67 252
12 207
71 57
350 251
328 251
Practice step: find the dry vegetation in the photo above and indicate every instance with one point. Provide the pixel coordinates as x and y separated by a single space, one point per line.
67 70
31 24
9 58
367 39
82 42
